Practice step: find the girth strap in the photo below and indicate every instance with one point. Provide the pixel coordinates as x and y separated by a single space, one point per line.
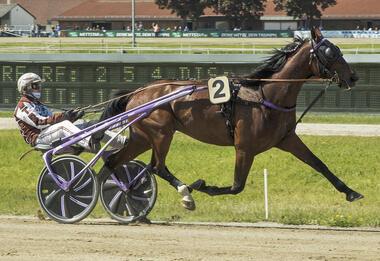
228 109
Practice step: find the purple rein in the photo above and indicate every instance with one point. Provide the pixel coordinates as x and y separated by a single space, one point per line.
270 105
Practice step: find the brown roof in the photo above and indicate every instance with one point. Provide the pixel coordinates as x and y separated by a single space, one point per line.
147 9
116 9
354 9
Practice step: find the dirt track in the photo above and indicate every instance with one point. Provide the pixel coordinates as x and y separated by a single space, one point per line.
32 239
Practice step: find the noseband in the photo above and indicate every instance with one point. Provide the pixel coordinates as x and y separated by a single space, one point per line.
326 55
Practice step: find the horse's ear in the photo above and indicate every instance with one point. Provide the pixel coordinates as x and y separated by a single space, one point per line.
316 35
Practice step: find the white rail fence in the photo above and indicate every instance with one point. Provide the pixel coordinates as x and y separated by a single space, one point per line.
179 50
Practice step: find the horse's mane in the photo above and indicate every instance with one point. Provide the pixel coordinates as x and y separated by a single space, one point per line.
277 61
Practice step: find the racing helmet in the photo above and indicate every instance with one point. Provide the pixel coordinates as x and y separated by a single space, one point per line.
27 82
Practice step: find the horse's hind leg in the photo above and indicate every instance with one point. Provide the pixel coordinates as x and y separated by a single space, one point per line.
294 145
161 144
136 145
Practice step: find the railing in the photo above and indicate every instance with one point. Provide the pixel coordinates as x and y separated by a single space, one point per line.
144 50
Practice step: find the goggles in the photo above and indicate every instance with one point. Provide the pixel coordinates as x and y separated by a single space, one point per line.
36 86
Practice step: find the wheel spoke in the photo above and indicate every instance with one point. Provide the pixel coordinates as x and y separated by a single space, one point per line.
72 170
140 198
80 203
139 182
64 208
114 203
83 185
63 170
51 198
129 206
128 174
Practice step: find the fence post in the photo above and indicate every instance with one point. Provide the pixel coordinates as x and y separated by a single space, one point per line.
266 193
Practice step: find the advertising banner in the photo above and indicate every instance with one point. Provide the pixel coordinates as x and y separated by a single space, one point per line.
342 34
183 34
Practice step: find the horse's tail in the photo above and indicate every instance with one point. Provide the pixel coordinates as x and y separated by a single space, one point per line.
116 106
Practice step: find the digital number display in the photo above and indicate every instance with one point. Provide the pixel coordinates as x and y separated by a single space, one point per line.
73 84
119 73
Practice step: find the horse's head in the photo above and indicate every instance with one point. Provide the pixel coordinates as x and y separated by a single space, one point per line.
327 61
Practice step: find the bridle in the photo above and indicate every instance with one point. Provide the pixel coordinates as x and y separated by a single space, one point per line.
326 54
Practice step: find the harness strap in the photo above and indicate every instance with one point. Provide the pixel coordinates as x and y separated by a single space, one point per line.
228 109
321 93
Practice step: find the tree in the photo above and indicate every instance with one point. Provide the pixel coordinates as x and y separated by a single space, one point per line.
239 12
304 8
185 9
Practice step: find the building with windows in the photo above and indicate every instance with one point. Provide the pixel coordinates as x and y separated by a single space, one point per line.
14 17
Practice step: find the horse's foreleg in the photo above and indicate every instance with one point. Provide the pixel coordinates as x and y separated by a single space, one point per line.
243 164
294 145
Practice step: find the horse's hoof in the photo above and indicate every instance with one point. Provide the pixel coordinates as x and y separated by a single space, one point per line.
189 205
353 195
187 200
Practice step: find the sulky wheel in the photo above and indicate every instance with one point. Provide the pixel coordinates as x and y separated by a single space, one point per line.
127 198
80 198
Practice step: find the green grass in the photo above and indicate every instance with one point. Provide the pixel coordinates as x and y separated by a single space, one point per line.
297 193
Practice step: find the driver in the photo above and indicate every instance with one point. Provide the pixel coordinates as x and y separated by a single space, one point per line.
38 125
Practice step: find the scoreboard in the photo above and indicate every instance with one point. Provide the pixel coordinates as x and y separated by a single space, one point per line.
75 80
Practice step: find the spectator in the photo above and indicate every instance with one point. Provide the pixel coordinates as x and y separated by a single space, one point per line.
156 30
141 26
58 30
186 29
54 32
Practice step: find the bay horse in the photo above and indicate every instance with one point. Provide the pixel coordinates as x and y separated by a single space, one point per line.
256 126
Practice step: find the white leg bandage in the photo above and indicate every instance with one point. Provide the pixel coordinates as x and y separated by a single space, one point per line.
184 191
